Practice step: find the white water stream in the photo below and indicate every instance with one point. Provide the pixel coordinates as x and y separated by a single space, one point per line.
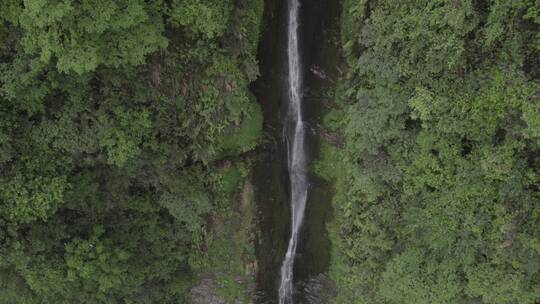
296 153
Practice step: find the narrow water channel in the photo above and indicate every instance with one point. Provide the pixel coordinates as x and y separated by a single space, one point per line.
293 249
294 134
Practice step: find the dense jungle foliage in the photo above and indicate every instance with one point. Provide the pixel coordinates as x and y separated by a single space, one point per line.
121 127
438 187
125 127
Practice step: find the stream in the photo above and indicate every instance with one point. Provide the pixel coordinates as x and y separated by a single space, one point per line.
294 134
298 60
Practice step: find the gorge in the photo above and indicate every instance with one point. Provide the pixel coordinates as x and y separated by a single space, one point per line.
269 151
300 38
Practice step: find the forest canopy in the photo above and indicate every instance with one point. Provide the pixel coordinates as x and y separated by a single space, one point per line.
128 129
116 117
439 202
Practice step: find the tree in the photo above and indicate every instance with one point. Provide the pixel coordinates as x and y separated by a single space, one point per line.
80 36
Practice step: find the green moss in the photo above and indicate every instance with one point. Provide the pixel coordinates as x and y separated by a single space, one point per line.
333 119
246 136
226 257
328 165
179 284
226 252
223 259
231 290
231 177
250 20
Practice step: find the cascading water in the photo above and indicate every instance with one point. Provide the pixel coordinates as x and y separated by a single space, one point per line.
294 133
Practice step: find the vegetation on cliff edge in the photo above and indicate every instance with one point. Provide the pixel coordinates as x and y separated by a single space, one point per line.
438 198
114 116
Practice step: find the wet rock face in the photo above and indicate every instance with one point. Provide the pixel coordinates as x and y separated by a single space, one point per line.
319 289
260 297
203 293
227 270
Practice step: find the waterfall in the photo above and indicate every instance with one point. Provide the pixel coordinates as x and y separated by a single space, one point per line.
294 132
